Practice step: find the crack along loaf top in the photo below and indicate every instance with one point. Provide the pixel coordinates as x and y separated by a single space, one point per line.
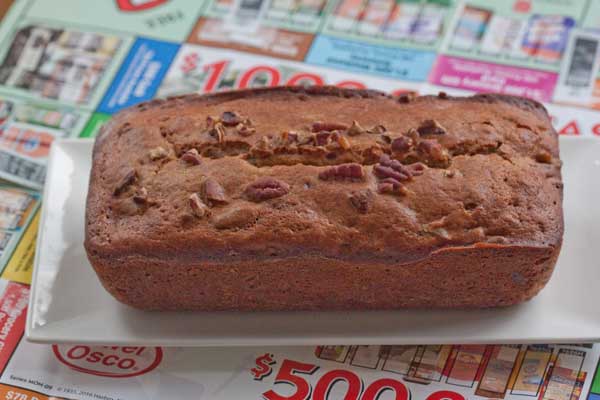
337 173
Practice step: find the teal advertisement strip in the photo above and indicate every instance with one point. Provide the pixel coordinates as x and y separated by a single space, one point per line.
407 64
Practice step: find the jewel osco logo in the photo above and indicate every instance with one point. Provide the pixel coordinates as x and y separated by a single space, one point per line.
109 361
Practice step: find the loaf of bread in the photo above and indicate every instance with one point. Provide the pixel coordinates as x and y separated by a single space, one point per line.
323 198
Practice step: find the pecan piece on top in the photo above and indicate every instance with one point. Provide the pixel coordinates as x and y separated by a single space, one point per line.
377 129
383 172
157 153
413 134
402 144
289 137
306 139
405 97
211 121
231 118
431 127
350 171
192 156
391 186
262 148
328 126
361 200
433 153
199 209
372 154
384 139
212 192
218 132
244 130
264 143
127 180
388 168
355 129
344 142
323 138
266 188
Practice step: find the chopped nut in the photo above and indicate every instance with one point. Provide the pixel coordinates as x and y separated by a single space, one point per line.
351 171
291 137
157 153
387 172
433 153
412 134
192 156
218 132
431 127
235 218
328 126
361 200
377 129
322 138
392 186
262 148
372 154
405 98
355 129
344 142
127 180
385 139
141 196
266 188
264 143
402 144
284 137
212 192
449 173
543 157
199 209
306 139
244 130
385 187
211 121
389 168
231 118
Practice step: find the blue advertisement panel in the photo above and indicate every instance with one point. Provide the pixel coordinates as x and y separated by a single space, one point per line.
140 75
407 64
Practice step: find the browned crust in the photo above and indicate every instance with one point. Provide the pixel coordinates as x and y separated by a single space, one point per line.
134 256
475 277
334 91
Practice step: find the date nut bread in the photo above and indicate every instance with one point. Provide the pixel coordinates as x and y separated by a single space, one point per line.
325 198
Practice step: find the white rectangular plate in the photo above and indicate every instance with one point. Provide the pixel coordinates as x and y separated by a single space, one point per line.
68 304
